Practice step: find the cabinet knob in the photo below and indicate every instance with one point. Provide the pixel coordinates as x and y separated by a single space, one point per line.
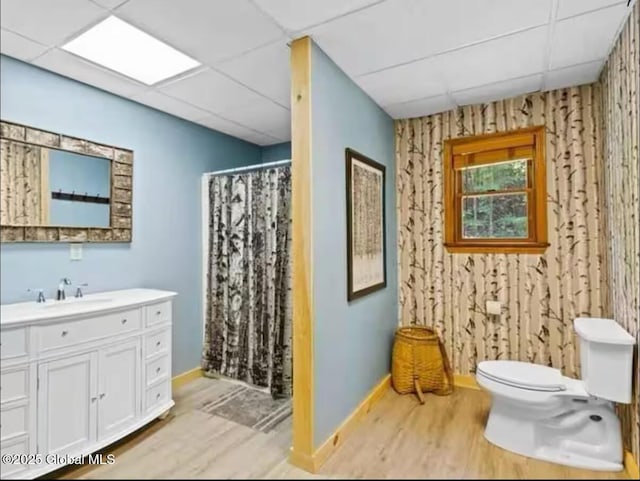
64 333
158 396
94 399
157 369
158 313
102 396
158 344
124 321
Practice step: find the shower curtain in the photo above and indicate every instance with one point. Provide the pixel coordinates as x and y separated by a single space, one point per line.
248 317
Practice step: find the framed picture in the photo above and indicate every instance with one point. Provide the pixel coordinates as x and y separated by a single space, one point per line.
366 240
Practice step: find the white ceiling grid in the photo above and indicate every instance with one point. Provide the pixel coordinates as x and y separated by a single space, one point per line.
413 57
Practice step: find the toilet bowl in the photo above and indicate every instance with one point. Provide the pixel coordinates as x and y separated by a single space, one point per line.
539 413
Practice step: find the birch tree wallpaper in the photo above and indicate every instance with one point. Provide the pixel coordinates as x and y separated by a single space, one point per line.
620 123
365 233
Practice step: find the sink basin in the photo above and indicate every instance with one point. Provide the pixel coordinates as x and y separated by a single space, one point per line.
75 302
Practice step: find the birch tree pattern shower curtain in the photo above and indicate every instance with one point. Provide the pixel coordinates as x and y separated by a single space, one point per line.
248 317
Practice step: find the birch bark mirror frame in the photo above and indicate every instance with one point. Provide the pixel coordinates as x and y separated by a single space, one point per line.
110 202
366 225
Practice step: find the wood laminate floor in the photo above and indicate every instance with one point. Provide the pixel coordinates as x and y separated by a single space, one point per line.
398 439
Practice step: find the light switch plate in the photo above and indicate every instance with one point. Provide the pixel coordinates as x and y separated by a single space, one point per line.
75 252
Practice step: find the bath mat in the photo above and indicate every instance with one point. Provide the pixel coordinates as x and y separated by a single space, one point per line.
249 407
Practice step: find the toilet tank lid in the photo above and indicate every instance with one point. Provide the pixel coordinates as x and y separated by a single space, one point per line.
606 331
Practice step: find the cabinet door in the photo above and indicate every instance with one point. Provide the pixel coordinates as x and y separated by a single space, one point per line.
119 399
67 404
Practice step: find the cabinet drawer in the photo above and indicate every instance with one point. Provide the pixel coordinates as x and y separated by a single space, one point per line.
14 384
14 447
157 369
156 396
73 332
158 313
13 343
157 342
13 421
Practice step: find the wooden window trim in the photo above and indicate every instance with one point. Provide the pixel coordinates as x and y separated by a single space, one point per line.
485 150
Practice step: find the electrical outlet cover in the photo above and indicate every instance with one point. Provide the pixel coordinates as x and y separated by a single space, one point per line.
75 252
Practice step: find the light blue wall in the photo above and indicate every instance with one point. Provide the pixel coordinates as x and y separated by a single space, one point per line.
352 341
170 156
273 153
70 172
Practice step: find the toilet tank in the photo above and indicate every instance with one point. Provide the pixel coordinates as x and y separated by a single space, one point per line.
606 357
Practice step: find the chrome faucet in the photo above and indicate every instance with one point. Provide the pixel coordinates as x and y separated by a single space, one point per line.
79 289
41 297
65 281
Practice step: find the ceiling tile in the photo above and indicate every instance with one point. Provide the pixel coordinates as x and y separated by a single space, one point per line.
261 139
227 127
298 14
569 8
47 22
264 116
498 90
19 47
170 105
110 4
207 30
265 70
575 75
74 67
400 84
420 107
587 37
399 31
212 91
514 56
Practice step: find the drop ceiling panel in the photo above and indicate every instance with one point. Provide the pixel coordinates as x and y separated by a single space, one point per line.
231 128
49 22
110 4
74 67
575 75
419 79
399 31
211 91
298 14
263 115
261 139
569 8
587 37
418 108
514 56
20 47
265 70
498 90
207 30
170 105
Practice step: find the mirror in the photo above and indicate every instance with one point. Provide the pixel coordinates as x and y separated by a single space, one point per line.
41 186
59 188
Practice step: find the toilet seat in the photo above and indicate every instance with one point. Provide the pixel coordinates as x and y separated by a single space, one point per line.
523 375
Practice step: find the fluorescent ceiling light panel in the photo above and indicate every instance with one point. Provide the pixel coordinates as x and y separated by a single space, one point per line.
128 50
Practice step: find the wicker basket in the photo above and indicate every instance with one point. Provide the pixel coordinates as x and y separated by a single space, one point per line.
420 363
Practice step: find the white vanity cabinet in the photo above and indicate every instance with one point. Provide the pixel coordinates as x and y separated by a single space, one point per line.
78 375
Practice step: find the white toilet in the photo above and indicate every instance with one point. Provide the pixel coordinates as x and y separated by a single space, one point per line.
539 413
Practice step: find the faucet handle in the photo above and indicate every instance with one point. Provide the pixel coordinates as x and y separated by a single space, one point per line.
79 289
65 281
40 291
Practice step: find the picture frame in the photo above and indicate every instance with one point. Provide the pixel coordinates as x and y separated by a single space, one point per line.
366 225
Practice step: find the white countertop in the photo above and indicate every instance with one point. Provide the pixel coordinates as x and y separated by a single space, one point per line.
95 303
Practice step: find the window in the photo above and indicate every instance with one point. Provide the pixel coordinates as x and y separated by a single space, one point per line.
495 193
